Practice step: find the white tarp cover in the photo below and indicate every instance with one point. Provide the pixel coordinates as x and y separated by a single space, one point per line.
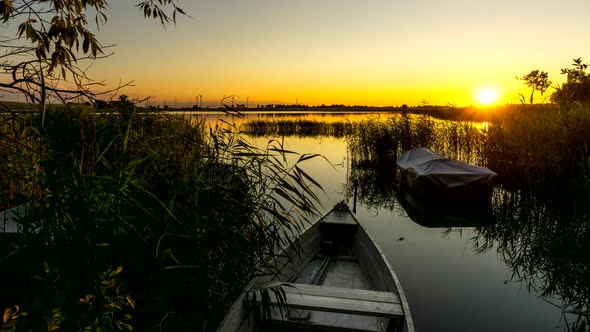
442 171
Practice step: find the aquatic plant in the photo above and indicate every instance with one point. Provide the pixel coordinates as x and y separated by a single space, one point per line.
185 215
301 128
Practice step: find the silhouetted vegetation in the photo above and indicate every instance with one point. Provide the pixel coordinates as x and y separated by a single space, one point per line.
302 128
142 221
577 87
137 194
538 217
536 80
42 58
541 147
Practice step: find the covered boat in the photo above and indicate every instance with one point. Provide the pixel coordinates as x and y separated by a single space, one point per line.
433 176
339 280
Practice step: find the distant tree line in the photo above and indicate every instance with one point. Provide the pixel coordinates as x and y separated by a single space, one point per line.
307 106
281 106
122 103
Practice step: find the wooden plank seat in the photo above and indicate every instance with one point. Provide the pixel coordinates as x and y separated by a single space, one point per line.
341 300
339 218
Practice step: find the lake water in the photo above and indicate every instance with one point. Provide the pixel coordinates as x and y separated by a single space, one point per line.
450 282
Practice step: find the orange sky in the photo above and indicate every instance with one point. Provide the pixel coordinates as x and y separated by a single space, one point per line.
372 52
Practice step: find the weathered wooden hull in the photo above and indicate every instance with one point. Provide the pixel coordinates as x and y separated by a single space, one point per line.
339 281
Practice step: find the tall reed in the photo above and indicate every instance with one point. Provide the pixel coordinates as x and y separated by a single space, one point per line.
301 128
20 155
541 148
143 221
539 211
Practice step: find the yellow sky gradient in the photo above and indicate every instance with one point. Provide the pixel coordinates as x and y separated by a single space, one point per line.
375 52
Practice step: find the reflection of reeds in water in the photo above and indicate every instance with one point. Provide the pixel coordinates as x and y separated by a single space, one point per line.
540 211
545 248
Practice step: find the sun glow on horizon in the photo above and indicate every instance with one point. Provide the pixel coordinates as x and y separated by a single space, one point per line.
487 96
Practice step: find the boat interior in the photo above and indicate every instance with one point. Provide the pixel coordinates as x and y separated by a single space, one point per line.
337 283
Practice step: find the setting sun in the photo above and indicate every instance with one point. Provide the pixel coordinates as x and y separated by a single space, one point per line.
487 96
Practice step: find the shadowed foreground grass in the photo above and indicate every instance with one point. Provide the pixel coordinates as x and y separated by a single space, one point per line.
139 221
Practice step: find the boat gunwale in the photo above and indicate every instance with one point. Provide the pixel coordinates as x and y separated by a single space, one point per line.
408 321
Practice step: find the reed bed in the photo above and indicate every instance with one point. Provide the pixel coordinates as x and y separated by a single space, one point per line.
540 210
543 148
20 160
300 128
156 222
376 140
140 221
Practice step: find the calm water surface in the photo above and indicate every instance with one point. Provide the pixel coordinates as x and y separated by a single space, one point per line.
450 285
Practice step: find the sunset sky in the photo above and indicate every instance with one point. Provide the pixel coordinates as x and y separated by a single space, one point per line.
371 52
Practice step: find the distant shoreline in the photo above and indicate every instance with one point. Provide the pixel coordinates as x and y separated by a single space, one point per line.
470 113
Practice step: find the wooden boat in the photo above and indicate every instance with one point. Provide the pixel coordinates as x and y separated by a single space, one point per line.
442 180
339 280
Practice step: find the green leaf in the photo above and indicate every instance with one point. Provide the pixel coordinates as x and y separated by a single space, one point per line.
309 178
85 44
